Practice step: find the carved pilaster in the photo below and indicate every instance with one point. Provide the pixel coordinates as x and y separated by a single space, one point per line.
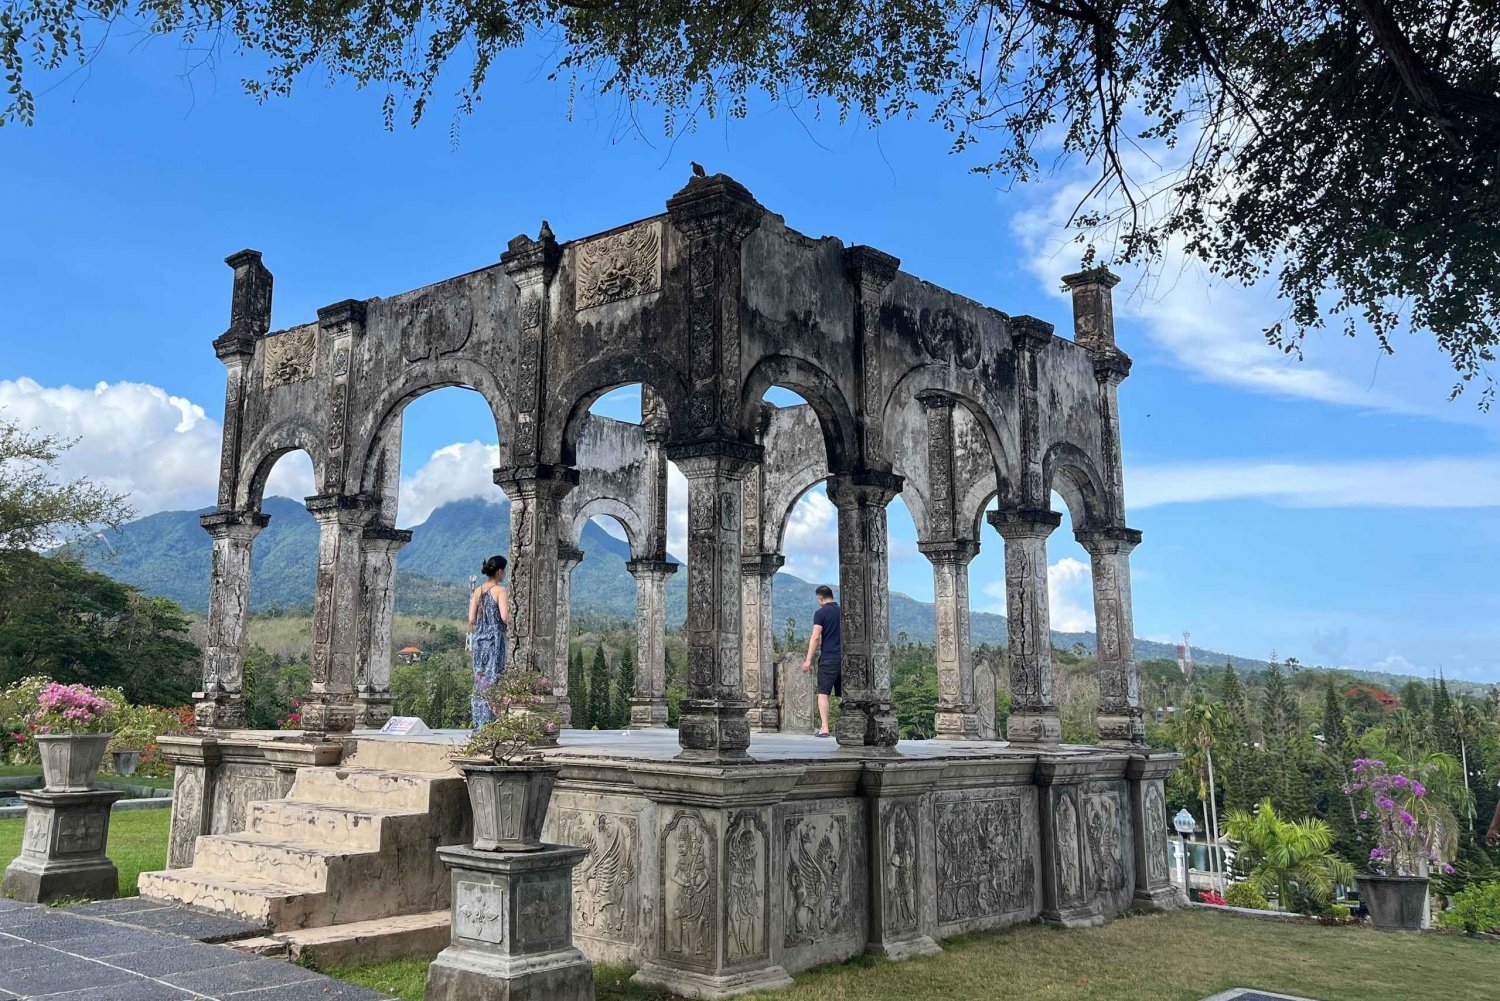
379 547
758 643
713 723
532 264
220 705
903 866
339 325
648 707
867 717
342 520
568 558
535 494
249 320
1031 337
870 271
1033 716
1147 774
1119 716
958 707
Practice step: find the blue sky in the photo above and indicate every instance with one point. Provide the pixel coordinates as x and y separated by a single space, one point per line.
1336 509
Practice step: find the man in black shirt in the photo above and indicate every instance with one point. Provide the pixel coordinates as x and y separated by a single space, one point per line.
827 642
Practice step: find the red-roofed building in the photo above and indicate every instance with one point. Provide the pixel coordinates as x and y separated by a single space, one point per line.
1384 699
410 655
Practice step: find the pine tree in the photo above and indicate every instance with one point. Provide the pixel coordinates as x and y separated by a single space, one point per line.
599 689
1237 750
624 688
1335 721
1280 717
1444 737
577 691
1283 753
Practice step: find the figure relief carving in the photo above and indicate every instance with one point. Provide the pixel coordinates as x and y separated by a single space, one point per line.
745 903
434 325
689 868
531 313
290 356
605 892
1069 864
619 266
1155 824
817 862
984 864
1105 841
901 868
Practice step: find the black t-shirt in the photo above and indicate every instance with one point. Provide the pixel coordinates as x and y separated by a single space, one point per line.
832 647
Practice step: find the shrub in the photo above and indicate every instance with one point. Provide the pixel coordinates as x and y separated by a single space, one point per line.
137 727
1246 895
1474 910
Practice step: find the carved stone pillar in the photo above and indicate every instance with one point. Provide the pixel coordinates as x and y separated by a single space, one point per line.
568 558
377 610
866 717
713 723
758 644
648 707
903 875
336 617
535 494
249 320
220 705
1147 774
1033 713
958 708
1119 716
1068 891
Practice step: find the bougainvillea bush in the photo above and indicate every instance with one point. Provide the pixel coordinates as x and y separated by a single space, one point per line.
521 722
1395 804
64 709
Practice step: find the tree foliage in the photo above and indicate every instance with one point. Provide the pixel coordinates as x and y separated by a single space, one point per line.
1345 147
36 510
1292 859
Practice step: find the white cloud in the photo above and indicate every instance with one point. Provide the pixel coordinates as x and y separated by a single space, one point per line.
1435 482
1070 596
1394 664
458 471
133 438
811 541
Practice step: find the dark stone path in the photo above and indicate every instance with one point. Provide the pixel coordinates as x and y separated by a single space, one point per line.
129 950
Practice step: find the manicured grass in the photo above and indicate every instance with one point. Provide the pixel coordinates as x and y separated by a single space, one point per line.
137 843
105 778
1184 956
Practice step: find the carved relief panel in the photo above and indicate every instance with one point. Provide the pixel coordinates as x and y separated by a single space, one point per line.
985 860
618 266
1104 838
1155 824
817 898
689 890
606 890
747 877
1068 860
289 357
903 868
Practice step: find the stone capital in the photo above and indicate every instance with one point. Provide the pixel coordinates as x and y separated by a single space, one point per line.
386 535
342 507
933 399
1149 765
1030 332
530 261
869 269
710 456
568 556
535 479
650 567
717 205
234 524
346 313
864 486
761 564
1024 523
1102 541
1111 365
943 551
1092 276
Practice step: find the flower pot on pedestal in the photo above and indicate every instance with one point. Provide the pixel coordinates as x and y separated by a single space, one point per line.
70 760
125 761
509 802
1395 903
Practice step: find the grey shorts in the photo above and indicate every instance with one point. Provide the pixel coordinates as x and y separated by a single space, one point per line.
830 681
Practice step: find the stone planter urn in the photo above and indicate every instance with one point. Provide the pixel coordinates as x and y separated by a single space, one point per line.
125 761
509 802
70 760
1395 903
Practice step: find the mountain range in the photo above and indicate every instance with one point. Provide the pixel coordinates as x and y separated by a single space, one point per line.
169 554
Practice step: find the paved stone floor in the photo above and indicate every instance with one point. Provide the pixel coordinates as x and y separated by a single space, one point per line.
134 950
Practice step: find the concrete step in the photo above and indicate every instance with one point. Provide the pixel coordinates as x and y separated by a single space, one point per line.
277 904
306 866
431 756
405 936
331 824
392 791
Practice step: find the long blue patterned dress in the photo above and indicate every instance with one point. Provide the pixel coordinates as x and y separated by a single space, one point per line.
488 653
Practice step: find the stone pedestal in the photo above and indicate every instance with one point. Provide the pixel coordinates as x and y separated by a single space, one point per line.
512 936
62 851
1147 774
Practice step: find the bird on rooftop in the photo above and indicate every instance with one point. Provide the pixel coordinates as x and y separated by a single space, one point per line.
698 170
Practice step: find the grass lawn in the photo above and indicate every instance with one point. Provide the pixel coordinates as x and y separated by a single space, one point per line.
1161 957
105 778
137 843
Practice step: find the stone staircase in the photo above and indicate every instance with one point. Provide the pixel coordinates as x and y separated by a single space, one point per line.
351 843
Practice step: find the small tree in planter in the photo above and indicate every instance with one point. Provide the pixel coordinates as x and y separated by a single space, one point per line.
71 726
1405 849
510 783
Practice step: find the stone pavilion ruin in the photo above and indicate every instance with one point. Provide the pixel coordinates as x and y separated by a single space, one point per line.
726 854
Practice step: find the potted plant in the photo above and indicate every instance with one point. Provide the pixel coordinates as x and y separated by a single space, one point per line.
510 783
1395 891
71 731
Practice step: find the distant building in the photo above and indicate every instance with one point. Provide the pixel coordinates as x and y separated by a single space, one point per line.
410 655
1382 698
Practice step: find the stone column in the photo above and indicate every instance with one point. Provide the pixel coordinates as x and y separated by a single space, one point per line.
713 724
342 519
1119 715
380 545
1068 893
535 494
195 770
1147 774
1033 712
221 705
866 717
758 644
568 558
958 707
903 875
648 707
249 320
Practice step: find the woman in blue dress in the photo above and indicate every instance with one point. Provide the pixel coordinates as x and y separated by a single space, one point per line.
489 613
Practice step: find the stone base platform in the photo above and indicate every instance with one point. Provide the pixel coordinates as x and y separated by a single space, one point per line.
717 879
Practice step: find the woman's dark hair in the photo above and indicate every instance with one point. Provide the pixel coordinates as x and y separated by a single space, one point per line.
492 566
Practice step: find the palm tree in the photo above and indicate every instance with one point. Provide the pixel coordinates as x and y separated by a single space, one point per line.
1287 856
1198 726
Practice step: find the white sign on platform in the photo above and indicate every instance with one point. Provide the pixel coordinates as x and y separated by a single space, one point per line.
405 726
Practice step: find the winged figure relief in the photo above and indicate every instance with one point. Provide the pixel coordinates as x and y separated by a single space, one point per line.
619 266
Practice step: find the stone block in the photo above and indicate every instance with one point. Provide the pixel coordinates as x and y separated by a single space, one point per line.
63 848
